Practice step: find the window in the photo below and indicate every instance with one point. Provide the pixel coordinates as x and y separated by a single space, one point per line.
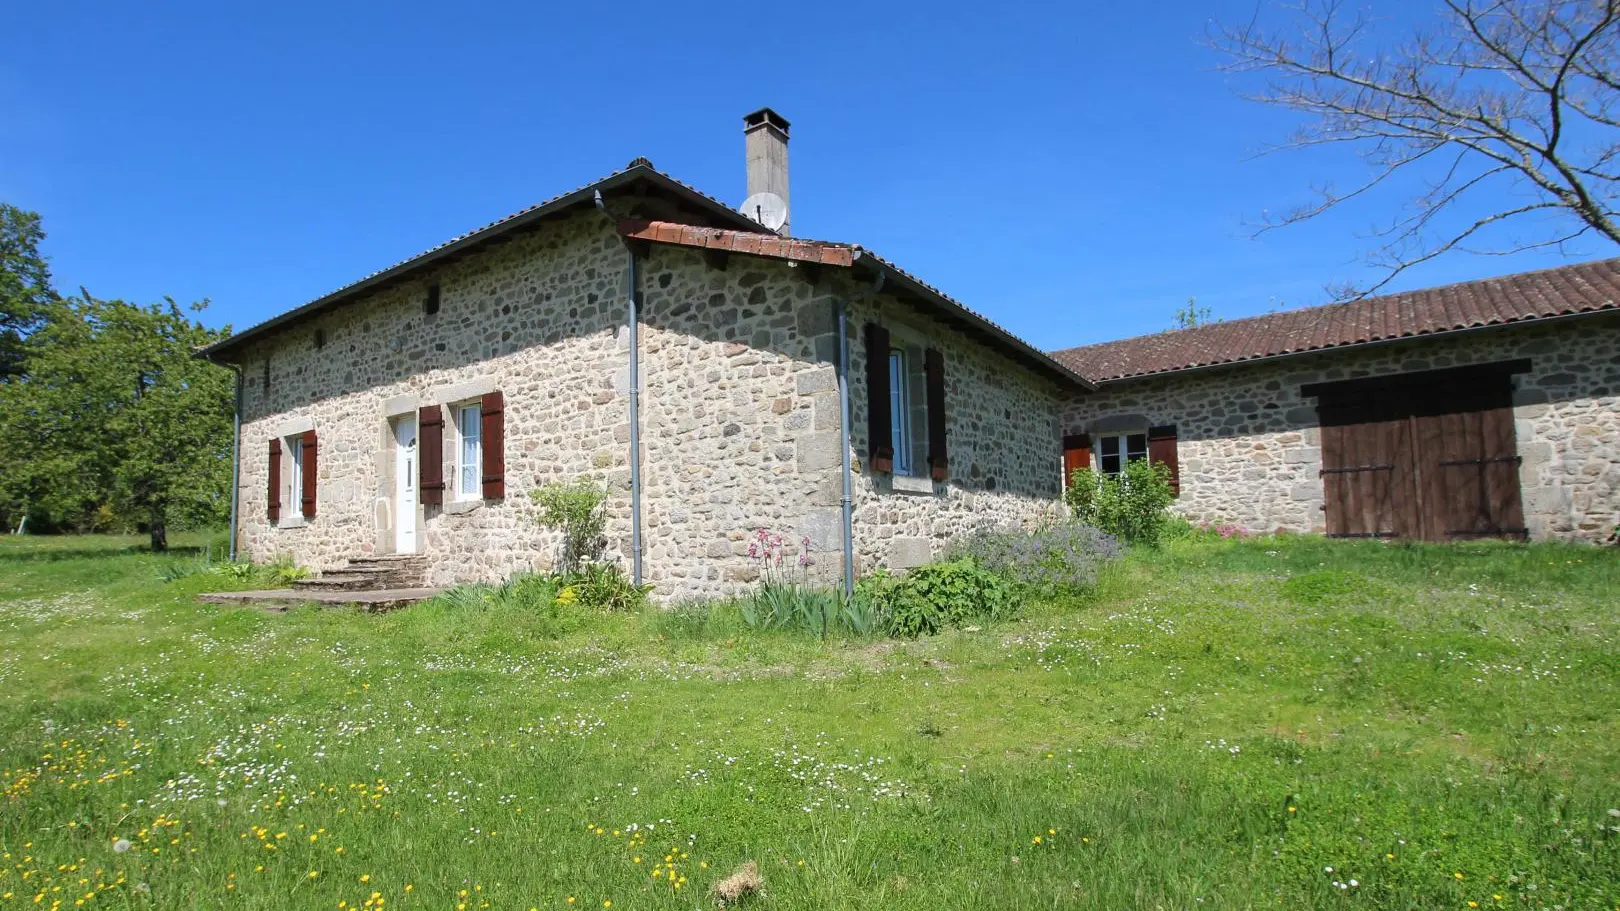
1115 450
430 304
469 451
900 411
293 475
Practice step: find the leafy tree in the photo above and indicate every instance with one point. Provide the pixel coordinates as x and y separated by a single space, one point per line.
25 284
1193 315
118 420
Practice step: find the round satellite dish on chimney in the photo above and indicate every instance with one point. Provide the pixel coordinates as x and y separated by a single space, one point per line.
766 208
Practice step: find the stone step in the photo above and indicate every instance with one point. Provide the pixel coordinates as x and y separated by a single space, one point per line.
279 600
376 573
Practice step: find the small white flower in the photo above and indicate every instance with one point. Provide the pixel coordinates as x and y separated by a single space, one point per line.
1353 883
121 845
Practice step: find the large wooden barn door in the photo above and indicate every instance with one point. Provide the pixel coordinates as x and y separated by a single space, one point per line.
1469 462
1427 456
1367 480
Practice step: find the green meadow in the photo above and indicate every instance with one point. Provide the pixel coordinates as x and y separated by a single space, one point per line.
1260 723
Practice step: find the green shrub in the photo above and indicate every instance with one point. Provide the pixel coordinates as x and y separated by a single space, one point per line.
531 595
601 586
1135 505
282 571
782 604
577 511
1054 560
930 598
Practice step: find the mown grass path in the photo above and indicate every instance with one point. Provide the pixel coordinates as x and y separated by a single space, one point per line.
1269 723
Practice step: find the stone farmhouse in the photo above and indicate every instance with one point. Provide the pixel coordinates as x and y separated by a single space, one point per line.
720 376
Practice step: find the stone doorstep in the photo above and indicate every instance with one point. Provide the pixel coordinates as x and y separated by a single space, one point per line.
279 600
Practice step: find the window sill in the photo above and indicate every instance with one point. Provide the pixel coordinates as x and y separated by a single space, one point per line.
912 485
298 522
462 507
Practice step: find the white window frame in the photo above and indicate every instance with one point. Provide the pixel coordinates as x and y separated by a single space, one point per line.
900 410
292 473
468 486
1121 443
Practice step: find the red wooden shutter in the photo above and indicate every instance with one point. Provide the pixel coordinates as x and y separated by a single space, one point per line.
311 471
493 413
879 432
430 455
1076 454
275 479
1162 448
934 371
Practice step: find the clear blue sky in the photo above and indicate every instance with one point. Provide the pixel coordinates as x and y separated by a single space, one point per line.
1076 172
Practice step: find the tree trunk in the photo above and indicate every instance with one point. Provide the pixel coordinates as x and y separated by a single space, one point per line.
160 537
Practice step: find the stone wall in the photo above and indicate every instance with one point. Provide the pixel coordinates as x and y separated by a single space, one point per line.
1248 441
1001 432
740 415
540 318
739 419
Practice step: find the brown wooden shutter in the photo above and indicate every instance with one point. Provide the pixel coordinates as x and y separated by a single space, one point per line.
311 472
275 479
879 430
1162 448
493 413
934 371
430 455
1076 454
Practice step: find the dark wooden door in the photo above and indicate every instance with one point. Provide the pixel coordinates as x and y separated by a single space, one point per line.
1367 483
1431 458
1468 462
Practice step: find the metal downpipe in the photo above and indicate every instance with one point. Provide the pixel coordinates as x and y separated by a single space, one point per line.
633 323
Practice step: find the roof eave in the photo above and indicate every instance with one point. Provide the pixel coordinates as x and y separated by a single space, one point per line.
217 351
893 275
1370 343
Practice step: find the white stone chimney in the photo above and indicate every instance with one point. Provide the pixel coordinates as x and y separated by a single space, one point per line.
765 138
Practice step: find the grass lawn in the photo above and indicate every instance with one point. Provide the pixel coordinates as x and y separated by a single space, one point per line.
1224 724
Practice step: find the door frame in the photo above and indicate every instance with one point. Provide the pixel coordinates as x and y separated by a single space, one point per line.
405 520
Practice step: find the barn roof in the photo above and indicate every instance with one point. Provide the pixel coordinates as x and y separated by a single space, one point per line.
1549 293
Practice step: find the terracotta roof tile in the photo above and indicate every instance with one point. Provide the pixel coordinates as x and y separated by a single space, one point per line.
1562 291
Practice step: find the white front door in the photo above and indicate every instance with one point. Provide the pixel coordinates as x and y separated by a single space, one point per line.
405 465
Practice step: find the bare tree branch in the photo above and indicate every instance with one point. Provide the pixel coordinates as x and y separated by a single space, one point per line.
1525 93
